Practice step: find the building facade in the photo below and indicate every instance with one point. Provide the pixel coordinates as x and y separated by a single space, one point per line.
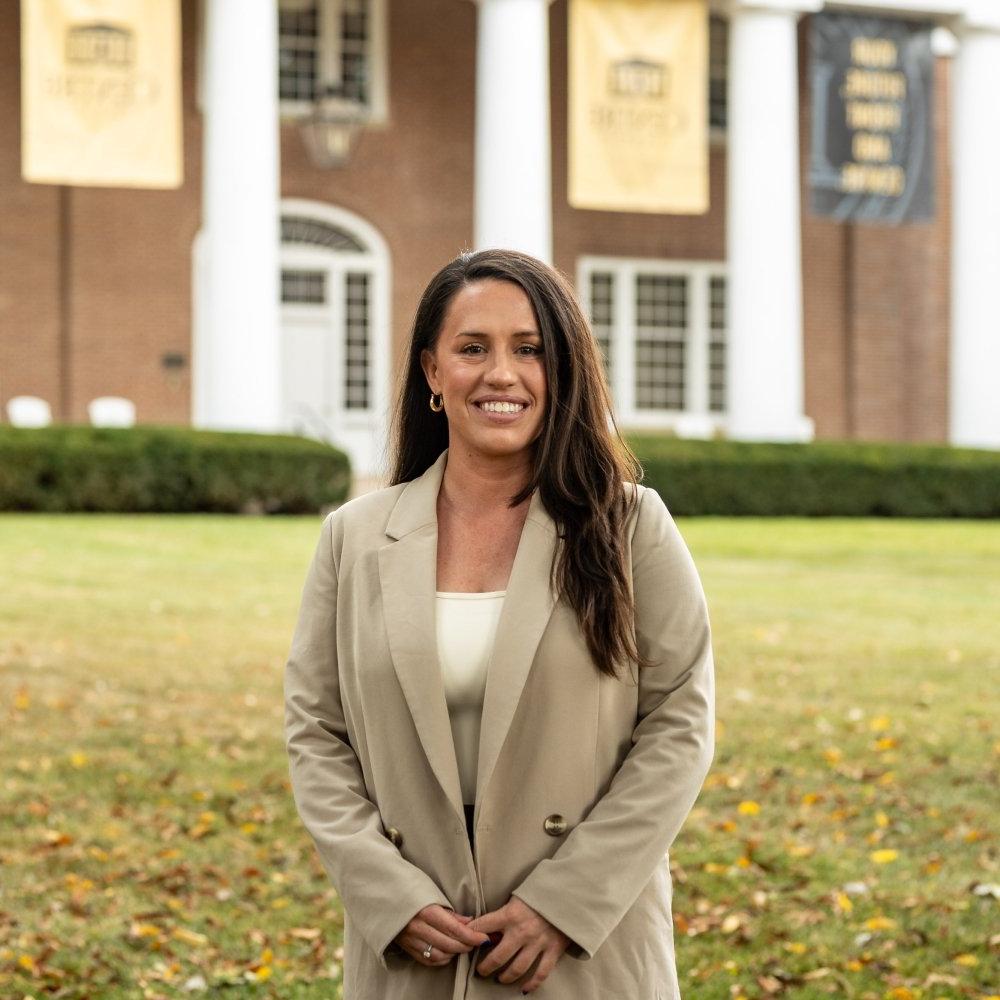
269 293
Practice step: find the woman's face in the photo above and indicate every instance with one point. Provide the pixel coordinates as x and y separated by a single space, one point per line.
489 348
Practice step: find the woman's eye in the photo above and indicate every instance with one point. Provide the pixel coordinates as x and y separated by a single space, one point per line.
532 349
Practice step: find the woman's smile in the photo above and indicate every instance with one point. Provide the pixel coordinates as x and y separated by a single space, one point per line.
500 413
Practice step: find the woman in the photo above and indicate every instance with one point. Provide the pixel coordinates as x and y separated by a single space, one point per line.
500 692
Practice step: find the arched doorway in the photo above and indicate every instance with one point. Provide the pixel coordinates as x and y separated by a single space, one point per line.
335 329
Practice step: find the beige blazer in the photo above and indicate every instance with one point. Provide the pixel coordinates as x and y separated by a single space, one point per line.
583 781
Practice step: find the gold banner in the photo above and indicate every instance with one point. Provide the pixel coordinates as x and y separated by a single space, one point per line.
638 105
101 93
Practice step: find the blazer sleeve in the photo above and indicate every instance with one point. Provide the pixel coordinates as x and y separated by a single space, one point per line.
380 890
658 782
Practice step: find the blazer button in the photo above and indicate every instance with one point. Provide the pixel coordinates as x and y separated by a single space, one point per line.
555 825
394 835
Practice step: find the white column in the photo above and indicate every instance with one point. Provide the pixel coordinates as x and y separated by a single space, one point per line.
765 367
513 173
237 360
975 319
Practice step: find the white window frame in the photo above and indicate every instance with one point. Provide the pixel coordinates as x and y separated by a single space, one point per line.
696 420
329 62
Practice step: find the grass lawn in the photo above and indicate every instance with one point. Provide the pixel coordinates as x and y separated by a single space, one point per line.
845 844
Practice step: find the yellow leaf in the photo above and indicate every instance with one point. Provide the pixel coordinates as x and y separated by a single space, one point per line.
78 758
796 947
854 965
26 962
748 807
810 798
727 825
144 930
901 993
264 972
844 903
713 868
189 937
881 819
966 959
832 755
743 862
879 724
21 699
885 743
266 956
248 828
880 923
884 856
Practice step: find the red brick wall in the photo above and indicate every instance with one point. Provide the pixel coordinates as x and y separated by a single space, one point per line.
877 370
127 270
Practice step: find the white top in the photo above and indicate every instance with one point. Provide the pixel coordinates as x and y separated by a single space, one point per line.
466 630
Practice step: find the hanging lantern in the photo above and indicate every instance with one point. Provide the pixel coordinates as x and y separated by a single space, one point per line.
330 129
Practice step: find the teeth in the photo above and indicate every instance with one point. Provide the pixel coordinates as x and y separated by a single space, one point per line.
502 407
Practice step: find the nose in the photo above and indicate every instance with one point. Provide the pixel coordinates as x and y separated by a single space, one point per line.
500 373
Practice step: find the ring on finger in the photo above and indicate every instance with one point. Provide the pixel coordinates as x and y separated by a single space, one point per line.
427 951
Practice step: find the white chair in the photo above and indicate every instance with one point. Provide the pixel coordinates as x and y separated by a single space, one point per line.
28 411
111 411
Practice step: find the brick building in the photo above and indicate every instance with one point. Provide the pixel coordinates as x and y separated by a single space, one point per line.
275 297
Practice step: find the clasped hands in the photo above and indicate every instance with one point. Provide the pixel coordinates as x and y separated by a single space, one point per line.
528 948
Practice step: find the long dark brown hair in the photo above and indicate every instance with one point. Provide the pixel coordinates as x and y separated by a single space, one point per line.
581 467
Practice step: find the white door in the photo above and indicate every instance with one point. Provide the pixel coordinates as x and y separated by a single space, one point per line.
332 375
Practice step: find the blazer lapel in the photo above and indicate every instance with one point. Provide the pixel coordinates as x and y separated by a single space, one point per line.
408 578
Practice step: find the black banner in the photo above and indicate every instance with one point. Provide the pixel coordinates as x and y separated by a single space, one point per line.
872 157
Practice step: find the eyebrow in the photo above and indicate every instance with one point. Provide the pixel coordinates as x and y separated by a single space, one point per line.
476 333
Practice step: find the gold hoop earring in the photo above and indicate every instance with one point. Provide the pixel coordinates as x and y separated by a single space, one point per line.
440 406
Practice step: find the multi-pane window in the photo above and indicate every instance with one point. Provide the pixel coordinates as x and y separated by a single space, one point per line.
298 50
663 324
354 50
718 71
357 366
601 313
717 343
328 47
303 286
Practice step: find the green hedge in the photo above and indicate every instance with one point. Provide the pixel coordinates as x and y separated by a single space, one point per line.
839 478
176 469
